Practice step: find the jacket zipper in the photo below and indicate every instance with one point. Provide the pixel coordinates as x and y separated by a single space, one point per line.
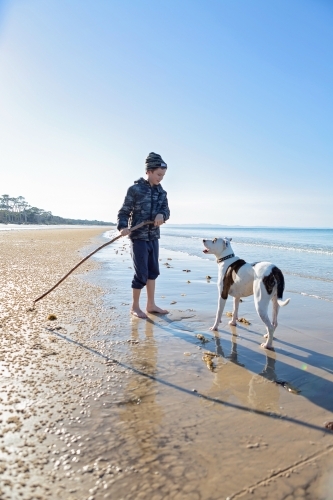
151 210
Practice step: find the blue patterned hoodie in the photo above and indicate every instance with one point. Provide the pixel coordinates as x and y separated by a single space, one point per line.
143 202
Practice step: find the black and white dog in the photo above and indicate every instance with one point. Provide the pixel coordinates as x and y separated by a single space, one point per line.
239 279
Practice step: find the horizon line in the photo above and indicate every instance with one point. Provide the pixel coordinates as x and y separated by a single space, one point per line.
244 226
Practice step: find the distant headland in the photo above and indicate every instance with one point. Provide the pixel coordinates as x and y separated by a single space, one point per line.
18 211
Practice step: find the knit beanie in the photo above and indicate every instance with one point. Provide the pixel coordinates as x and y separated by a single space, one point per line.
153 161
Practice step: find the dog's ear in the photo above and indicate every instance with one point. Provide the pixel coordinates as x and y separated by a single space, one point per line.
230 239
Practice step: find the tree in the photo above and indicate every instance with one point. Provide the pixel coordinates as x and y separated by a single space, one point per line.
17 210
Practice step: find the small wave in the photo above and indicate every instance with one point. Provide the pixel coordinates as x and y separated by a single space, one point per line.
282 247
275 246
307 276
313 296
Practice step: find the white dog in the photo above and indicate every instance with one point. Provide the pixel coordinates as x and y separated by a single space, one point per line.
239 279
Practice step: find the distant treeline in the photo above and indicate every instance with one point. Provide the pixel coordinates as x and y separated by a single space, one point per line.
18 211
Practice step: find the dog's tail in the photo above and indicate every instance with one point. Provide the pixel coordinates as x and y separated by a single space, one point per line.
283 302
278 275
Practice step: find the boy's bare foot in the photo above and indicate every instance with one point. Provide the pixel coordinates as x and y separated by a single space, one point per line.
156 309
138 313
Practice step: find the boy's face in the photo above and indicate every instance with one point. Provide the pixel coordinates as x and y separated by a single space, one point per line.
155 176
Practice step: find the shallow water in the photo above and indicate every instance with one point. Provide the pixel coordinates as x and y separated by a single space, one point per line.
303 338
304 255
184 427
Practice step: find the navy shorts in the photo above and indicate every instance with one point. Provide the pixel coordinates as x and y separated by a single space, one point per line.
145 262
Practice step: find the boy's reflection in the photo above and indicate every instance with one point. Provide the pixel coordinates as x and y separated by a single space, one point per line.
141 413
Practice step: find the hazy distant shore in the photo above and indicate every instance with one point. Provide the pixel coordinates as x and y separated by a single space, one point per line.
12 227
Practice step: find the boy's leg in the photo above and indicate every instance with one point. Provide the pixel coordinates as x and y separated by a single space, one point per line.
151 306
135 309
139 253
153 272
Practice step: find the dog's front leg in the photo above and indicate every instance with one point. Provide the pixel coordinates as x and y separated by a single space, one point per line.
233 321
220 307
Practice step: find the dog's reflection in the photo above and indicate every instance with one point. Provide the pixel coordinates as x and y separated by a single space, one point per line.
232 379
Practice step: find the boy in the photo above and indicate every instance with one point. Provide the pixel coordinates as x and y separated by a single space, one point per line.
145 200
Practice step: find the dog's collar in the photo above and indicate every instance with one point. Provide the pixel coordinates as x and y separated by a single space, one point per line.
225 258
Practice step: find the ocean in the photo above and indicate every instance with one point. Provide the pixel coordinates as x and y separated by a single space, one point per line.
304 255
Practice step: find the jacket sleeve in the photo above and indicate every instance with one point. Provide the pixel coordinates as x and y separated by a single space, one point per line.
165 209
126 210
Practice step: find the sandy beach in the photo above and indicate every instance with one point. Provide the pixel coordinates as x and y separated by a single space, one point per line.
97 404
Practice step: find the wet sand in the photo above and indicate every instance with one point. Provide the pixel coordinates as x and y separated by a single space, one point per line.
98 404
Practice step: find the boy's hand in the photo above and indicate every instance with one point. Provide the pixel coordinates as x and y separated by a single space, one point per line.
125 231
159 220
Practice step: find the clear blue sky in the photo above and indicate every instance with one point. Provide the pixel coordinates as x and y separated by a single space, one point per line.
236 95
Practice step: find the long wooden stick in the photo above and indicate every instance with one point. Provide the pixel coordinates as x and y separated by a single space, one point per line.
87 257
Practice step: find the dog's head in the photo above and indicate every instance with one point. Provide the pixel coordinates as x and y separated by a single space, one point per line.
216 246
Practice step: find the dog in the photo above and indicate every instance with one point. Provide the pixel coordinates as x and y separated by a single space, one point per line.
239 279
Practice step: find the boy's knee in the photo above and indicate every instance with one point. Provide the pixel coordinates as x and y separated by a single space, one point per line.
139 282
137 286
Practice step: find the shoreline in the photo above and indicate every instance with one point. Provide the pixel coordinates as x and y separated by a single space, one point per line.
155 423
32 227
